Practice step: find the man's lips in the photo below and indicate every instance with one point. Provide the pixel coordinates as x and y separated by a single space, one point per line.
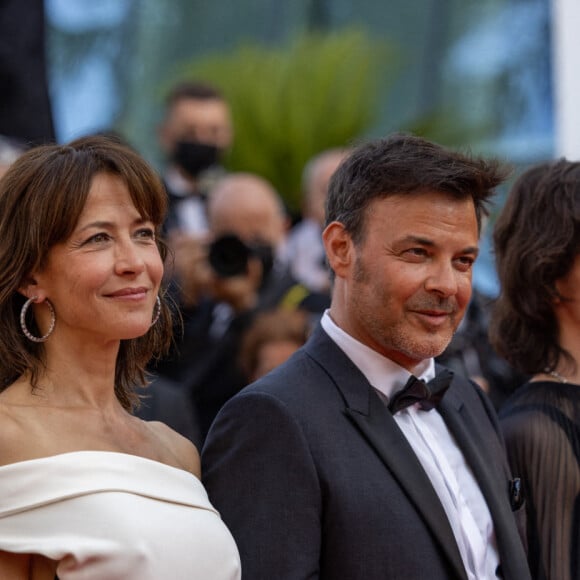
434 312
434 317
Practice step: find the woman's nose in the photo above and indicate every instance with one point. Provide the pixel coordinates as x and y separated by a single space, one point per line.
129 259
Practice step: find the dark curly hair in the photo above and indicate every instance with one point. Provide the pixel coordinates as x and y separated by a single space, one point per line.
536 240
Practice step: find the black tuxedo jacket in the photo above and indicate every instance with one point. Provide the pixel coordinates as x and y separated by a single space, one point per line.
314 478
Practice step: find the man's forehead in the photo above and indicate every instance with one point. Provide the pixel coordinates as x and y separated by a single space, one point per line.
422 216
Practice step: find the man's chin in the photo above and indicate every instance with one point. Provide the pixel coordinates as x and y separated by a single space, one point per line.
424 350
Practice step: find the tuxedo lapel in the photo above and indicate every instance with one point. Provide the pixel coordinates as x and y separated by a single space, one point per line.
493 482
384 436
376 424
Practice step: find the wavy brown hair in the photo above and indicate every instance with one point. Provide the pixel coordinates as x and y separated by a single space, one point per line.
536 240
41 199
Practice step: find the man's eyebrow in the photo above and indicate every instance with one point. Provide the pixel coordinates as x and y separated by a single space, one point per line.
411 239
421 241
470 250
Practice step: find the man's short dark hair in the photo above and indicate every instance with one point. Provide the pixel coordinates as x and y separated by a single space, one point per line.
402 164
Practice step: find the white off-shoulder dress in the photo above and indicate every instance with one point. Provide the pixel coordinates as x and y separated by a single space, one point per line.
107 515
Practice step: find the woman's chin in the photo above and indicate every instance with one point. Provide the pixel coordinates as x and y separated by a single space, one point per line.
134 330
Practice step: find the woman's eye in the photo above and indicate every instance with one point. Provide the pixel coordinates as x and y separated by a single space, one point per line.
146 233
98 238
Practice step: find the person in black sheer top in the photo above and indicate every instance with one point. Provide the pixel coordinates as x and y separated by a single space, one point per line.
536 326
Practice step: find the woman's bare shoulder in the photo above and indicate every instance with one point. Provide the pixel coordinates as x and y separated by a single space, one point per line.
184 451
18 433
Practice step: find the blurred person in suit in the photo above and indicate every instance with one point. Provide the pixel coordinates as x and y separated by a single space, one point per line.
305 250
359 457
195 133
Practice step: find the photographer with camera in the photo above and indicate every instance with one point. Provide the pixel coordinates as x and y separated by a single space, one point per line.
239 271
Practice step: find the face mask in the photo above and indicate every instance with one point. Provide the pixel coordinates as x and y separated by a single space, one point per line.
195 157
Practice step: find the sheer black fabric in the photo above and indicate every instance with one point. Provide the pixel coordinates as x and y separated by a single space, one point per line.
541 425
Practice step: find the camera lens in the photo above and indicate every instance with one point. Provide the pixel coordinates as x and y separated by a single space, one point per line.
228 256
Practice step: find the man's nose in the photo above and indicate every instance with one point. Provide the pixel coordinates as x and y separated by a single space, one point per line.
442 279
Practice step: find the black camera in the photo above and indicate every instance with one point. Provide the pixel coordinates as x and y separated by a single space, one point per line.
229 255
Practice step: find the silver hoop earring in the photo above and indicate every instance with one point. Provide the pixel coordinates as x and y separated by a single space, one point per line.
25 330
158 311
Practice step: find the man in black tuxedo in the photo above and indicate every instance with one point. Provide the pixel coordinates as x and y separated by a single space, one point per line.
328 467
195 134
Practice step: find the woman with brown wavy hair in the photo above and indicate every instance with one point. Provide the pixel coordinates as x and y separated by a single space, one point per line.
536 327
87 489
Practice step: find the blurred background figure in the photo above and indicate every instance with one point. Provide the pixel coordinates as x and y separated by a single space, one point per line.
163 400
271 339
471 354
238 273
10 151
306 255
195 134
536 326
25 108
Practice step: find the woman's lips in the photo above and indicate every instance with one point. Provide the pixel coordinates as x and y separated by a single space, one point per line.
129 293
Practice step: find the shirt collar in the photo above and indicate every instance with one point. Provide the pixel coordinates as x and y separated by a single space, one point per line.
381 372
177 184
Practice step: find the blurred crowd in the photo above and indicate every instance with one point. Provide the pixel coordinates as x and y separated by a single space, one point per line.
237 252
239 257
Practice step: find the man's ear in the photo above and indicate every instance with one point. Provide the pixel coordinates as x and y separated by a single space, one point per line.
339 248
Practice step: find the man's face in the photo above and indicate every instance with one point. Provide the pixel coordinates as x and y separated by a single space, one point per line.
205 121
408 283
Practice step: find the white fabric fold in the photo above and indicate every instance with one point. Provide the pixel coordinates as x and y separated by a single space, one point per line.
112 515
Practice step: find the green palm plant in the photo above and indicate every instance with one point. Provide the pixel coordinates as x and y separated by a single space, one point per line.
291 102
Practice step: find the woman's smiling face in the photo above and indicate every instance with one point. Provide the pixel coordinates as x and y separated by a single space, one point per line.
104 279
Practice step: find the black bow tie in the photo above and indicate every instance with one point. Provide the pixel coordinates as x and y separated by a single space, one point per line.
418 391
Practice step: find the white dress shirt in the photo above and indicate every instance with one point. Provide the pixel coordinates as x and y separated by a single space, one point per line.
192 219
436 450
306 255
